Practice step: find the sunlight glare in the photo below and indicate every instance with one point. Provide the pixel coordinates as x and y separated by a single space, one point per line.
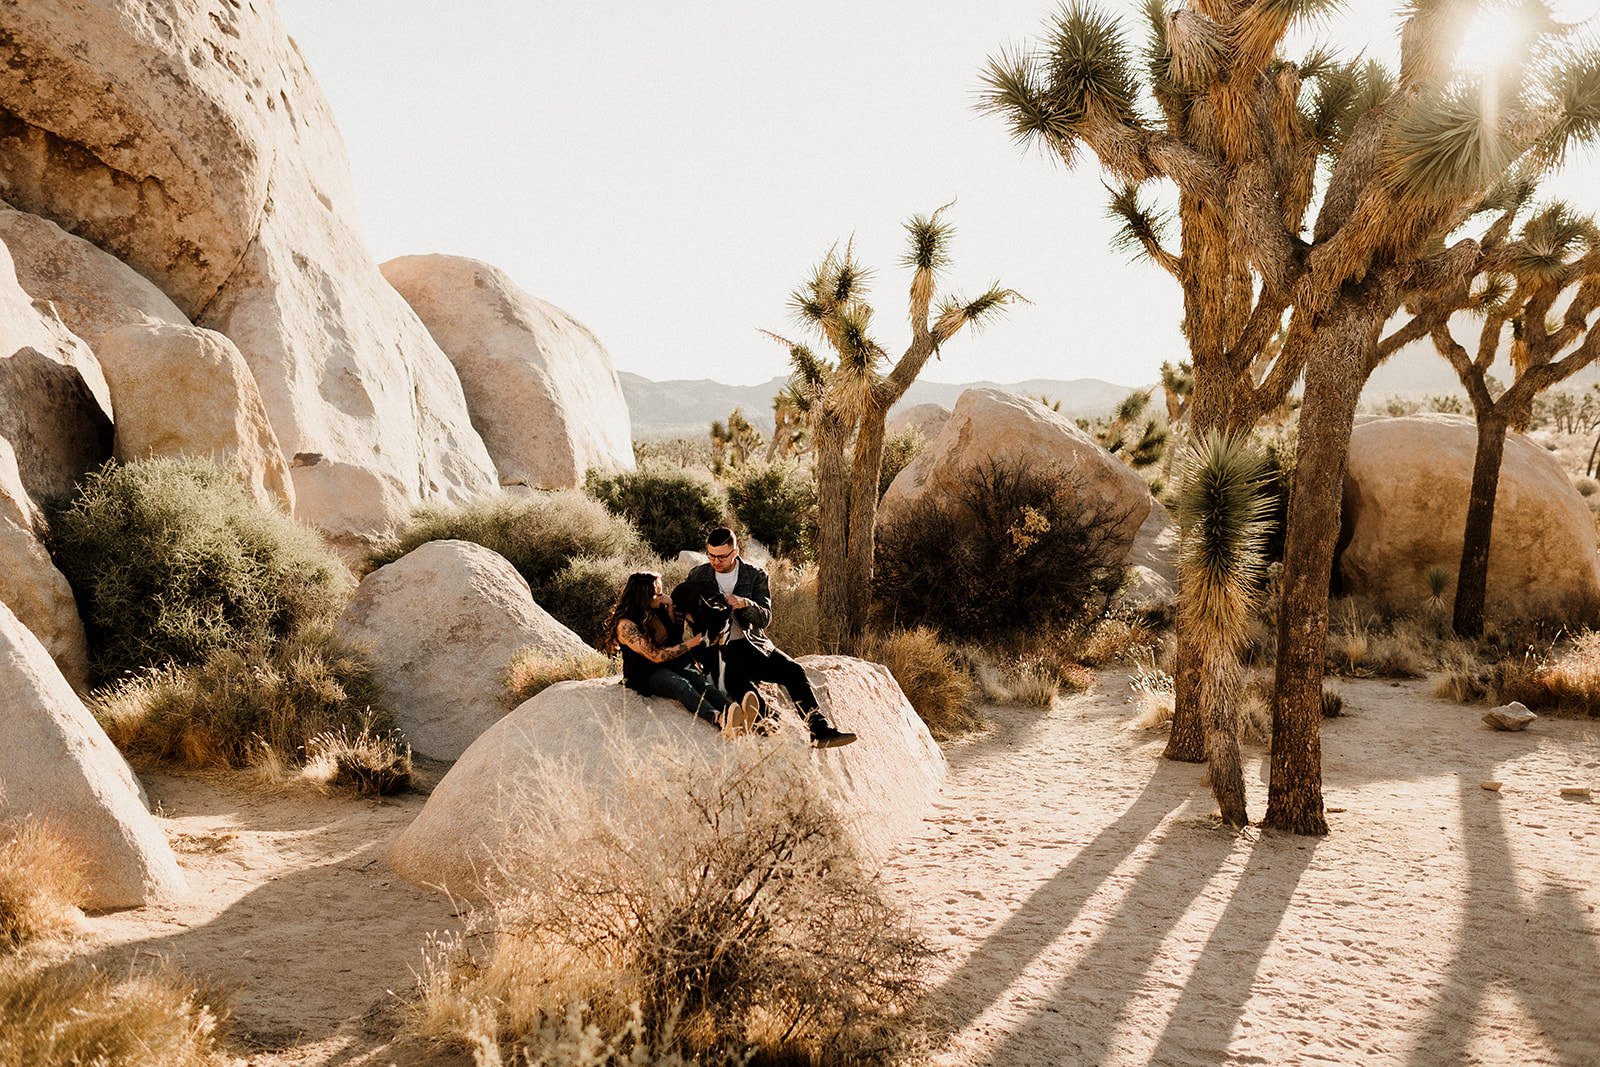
1495 38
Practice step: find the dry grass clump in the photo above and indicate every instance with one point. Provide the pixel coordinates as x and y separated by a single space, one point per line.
1118 639
1568 681
718 913
531 672
1153 694
76 1015
224 710
41 884
794 609
932 677
366 762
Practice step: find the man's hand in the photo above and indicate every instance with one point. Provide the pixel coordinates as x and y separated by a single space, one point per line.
735 602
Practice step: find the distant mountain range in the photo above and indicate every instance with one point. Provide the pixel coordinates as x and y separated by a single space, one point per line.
683 408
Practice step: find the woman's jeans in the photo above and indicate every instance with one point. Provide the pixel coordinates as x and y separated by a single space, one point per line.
691 689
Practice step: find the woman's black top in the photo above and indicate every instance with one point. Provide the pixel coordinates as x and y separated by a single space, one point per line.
660 629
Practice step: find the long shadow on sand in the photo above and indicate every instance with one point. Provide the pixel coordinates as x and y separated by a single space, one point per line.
1502 933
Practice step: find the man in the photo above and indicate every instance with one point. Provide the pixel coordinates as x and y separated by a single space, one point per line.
748 654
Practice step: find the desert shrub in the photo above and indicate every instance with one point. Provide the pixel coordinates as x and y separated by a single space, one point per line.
794 609
1152 692
1564 681
74 1015
1332 703
1022 679
931 676
1116 638
899 449
671 507
777 504
367 761
580 594
172 559
720 914
223 710
538 534
41 883
531 672
1014 547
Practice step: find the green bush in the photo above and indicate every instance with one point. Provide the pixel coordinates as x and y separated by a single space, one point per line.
671 507
172 560
223 711
580 594
1013 548
777 504
899 449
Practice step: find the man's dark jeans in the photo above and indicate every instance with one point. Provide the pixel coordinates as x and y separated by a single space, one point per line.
744 665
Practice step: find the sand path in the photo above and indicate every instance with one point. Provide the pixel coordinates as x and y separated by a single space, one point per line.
1090 909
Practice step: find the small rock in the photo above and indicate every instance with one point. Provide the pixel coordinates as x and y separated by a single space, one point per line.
1574 791
1493 787
1512 716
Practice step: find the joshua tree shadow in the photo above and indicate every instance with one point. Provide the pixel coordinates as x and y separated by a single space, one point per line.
1501 931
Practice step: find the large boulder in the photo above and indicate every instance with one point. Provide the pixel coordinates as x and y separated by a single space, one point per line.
991 424
191 142
926 419
1405 507
55 408
883 785
93 291
57 765
185 391
539 385
443 622
30 584
1153 562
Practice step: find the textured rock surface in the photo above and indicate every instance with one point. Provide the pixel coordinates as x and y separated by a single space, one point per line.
184 391
926 419
1153 561
443 622
1405 505
93 292
30 584
55 408
57 764
1513 716
991 424
883 785
191 142
539 385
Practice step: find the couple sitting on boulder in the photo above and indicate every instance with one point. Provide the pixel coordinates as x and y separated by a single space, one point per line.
728 605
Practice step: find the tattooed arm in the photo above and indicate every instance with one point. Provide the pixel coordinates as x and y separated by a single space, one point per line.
629 633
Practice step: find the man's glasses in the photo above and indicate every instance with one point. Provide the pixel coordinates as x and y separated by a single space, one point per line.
719 556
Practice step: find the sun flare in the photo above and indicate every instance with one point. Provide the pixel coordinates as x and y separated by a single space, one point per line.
1494 39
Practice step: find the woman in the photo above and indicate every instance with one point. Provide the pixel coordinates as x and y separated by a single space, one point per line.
656 661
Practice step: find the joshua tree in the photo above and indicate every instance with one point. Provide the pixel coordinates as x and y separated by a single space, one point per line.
1409 157
790 416
1223 511
1515 285
733 443
849 402
1136 439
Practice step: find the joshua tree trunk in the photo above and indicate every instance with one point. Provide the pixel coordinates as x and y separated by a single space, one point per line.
833 505
1333 385
864 473
1217 690
1472 578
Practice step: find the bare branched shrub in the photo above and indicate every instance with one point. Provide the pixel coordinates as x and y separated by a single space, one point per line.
75 1014
41 883
531 672
365 761
1014 547
223 711
932 677
717 912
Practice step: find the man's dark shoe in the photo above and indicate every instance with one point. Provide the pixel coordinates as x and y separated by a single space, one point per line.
823 735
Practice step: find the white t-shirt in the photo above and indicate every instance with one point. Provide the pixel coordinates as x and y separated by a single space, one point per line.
725 583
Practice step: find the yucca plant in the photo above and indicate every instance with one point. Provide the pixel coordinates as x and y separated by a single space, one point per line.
1392 162
848 401
1223 509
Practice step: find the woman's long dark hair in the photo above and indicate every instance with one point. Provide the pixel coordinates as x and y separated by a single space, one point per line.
632 604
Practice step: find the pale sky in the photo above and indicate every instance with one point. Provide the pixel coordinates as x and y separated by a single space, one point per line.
668 172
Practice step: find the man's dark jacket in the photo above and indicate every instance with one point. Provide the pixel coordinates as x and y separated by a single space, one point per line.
752 585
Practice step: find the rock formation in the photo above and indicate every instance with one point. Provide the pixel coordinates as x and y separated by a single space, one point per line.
926 419
991 424
30 584
443 622
191 142
57 765
539 385
882 786
184 391
1405 507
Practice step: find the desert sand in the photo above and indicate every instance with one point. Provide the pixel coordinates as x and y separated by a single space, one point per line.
1090 908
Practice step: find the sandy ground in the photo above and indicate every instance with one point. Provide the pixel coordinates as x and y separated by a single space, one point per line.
1090 909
